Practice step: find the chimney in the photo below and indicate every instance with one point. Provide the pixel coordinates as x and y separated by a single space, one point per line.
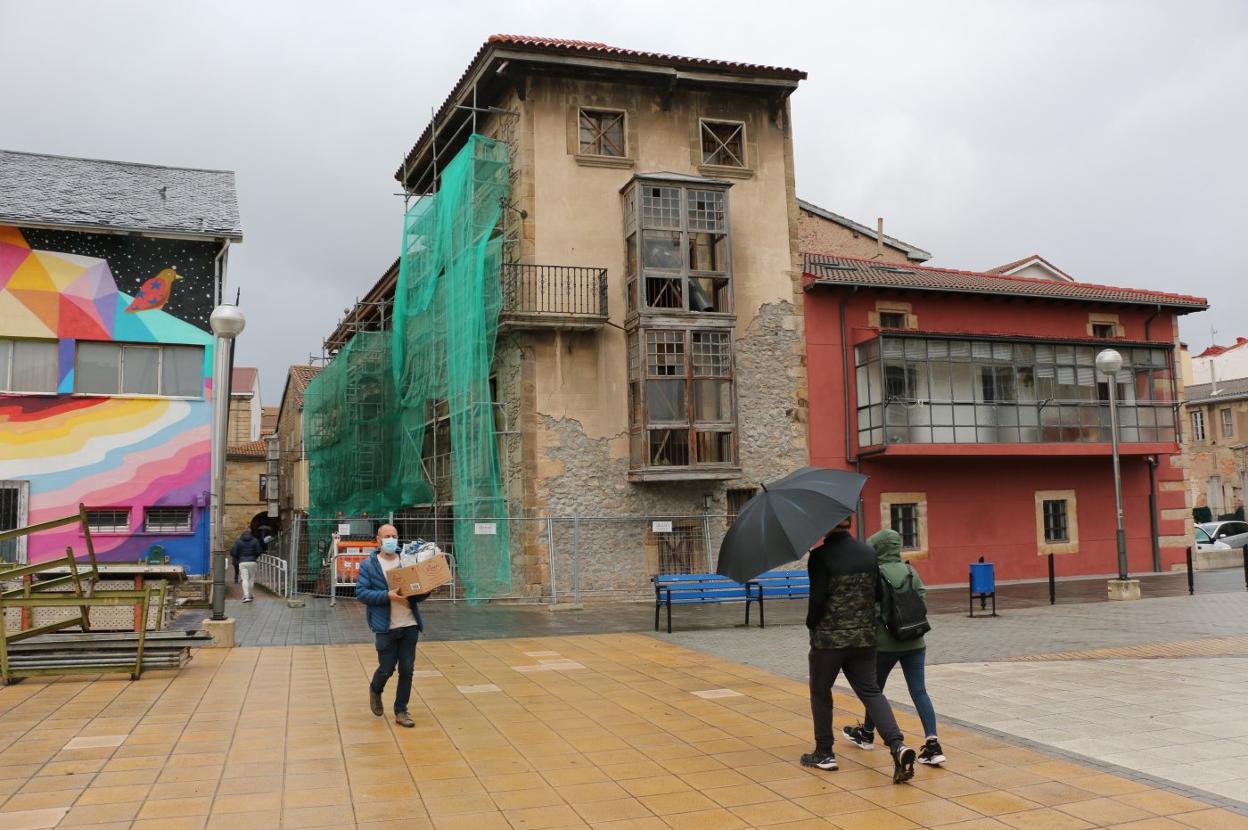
879 236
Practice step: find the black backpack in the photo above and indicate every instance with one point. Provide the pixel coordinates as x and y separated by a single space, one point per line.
905 614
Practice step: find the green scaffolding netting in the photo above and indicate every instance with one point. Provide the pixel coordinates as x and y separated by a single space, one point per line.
375 417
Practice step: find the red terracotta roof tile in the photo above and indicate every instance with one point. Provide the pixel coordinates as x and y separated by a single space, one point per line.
300 377
252 449
243 378
842 270
587 47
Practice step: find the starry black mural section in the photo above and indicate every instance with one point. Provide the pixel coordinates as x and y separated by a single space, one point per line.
136 259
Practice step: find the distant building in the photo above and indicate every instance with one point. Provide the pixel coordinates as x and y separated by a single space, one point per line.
1219 363
1216 445
972 402
246 477
108 273
245 408
820 231
292 486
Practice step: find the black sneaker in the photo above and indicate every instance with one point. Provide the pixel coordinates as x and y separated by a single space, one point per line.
821 760
859 737
931 753
903 764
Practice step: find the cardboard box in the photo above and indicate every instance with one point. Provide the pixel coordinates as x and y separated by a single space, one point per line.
420 578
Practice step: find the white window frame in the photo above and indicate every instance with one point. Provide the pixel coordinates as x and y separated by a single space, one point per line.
1198 424
6 370
113 528
161 350
182 527
1227 418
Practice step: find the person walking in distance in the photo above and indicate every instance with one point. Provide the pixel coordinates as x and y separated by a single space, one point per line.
246 553
844 587
890 650
395 622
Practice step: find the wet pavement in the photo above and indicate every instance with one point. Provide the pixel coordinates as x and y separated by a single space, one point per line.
269 622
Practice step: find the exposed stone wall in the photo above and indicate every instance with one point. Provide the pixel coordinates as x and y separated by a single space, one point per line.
242 490
816 235
576 475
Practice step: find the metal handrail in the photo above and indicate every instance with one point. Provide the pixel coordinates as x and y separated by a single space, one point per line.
271 574
571 290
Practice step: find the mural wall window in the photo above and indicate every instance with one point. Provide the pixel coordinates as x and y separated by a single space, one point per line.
108 519
682 408
28 366
167 519
102 368
677 248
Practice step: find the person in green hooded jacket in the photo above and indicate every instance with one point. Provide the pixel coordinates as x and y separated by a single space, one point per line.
911 654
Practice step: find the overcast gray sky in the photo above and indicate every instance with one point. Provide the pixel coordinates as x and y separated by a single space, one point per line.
1108 137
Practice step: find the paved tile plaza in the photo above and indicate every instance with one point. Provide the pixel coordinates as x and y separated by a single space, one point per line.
612 731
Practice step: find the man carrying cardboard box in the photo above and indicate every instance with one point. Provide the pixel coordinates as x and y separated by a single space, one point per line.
395 622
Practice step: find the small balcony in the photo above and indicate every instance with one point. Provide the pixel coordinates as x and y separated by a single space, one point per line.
553 297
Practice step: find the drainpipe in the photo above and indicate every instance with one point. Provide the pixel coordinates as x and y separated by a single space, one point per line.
1153 518
219 264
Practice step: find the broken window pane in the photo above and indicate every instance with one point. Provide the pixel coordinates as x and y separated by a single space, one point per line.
602 133
708 252
714 447
723 143
661 249
669 447
665 402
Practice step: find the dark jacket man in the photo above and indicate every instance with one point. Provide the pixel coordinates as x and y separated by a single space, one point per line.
247 549
844 587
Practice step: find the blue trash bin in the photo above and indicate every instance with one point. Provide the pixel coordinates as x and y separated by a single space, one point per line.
983 585
983 578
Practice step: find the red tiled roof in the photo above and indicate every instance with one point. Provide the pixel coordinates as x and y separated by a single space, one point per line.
301 376
1010 266
842 270
252 449
1215 349
595 49
243 379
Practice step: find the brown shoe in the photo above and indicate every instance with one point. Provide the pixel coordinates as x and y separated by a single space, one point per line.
374 703
404 719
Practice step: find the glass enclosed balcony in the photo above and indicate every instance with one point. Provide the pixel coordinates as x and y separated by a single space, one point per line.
938 390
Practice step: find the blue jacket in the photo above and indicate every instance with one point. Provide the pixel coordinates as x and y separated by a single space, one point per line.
372 590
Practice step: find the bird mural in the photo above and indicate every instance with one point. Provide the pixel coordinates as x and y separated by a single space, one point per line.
154 293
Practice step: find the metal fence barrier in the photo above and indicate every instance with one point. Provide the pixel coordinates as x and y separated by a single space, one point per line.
272 574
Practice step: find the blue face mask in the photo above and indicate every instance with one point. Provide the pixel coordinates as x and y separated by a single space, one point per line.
390 545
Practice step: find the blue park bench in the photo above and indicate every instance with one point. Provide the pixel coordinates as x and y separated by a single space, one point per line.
702 589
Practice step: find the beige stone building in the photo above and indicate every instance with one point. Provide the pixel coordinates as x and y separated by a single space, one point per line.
292 488
246 413
1215 444
664 376
245 506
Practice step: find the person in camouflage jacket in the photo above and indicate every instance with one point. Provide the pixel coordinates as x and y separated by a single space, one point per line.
844 587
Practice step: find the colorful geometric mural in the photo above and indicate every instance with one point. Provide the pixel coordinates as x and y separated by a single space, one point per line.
118 452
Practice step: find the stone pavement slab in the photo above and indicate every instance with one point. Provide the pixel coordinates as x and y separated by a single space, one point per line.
282 737
1182 720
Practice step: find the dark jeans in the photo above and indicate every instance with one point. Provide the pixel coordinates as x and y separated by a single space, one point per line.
912 663
859 667
396 647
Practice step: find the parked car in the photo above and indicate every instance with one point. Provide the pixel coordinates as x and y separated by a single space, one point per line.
1203 542
1231 533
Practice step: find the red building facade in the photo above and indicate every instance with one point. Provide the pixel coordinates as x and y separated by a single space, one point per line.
973 403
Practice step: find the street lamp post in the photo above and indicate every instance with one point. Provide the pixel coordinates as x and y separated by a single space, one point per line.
227 322
1108 363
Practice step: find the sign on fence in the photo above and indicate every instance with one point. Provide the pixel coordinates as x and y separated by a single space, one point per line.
660 527
485 529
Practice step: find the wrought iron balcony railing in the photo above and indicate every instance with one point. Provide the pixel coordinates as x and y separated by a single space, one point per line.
554 296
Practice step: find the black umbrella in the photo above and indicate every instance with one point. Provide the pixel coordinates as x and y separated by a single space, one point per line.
786 519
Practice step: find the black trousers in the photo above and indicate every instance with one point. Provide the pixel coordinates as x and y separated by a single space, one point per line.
859 667
397 647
